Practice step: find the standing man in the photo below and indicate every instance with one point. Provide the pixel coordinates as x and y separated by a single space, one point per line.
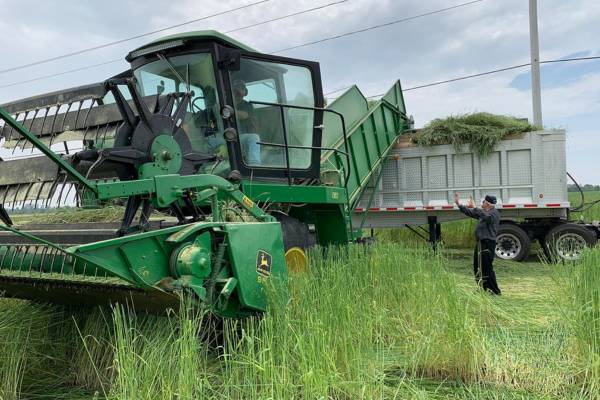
485 233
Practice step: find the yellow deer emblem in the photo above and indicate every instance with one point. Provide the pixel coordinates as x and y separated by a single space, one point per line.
263 263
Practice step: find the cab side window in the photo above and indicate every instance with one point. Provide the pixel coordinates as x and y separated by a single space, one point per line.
262 127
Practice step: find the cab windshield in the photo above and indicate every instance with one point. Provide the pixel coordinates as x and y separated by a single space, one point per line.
201 124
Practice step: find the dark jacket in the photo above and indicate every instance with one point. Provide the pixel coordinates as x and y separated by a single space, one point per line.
489 222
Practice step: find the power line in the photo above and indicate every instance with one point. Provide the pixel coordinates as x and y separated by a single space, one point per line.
495 71
113 61
240 28
337 90
39 78
289 48
287 16
570 59
370 28
444 81
462 78
89 49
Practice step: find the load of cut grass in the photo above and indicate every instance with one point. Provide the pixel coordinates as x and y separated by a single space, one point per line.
480 131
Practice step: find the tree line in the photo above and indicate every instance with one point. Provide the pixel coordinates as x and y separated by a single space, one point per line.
586 188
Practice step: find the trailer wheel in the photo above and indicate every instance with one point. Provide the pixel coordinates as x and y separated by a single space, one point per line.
566 242
512 243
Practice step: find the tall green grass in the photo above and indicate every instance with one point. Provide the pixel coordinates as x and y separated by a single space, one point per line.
458 234
359 319
32 348
591 211
582 310
20 345
364 322
159 358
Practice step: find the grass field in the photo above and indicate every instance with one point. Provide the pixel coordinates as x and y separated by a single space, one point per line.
390 321
380 322
590 214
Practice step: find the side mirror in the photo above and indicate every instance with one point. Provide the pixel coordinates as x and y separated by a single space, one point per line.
230 61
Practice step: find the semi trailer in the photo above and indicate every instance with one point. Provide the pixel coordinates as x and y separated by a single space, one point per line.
526 172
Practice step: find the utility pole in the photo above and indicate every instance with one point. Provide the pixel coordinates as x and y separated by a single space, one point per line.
536 92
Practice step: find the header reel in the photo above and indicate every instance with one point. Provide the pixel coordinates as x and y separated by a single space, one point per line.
79 114
148 143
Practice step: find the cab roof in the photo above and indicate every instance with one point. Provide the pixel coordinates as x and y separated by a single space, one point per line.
198 36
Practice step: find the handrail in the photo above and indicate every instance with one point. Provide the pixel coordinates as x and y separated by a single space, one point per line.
293 106
363 119
302 147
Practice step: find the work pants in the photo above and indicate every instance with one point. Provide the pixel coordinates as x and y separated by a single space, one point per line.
482 265
248 142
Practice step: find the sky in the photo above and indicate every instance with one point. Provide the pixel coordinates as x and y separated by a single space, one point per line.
478 37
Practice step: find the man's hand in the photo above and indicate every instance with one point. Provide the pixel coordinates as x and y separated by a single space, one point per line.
457 199
470 202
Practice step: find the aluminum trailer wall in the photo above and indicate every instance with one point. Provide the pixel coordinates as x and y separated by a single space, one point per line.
527 173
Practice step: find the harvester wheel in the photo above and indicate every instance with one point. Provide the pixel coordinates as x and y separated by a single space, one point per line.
296 260
296 239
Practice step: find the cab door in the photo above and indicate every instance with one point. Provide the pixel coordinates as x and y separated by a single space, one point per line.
277 118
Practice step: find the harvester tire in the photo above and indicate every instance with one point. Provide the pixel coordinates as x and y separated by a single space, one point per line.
565 242
296 239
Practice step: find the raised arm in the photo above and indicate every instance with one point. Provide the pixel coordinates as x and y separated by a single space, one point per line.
469 210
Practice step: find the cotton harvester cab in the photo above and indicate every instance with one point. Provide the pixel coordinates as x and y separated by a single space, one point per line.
200 127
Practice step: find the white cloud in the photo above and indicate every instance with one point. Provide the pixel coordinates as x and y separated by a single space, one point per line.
471 39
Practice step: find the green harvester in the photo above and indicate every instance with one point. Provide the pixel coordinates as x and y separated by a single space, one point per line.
200 128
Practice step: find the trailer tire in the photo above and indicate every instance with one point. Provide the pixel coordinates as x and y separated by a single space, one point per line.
565 242
512 242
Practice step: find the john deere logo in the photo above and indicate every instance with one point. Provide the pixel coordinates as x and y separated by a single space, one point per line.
263 263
